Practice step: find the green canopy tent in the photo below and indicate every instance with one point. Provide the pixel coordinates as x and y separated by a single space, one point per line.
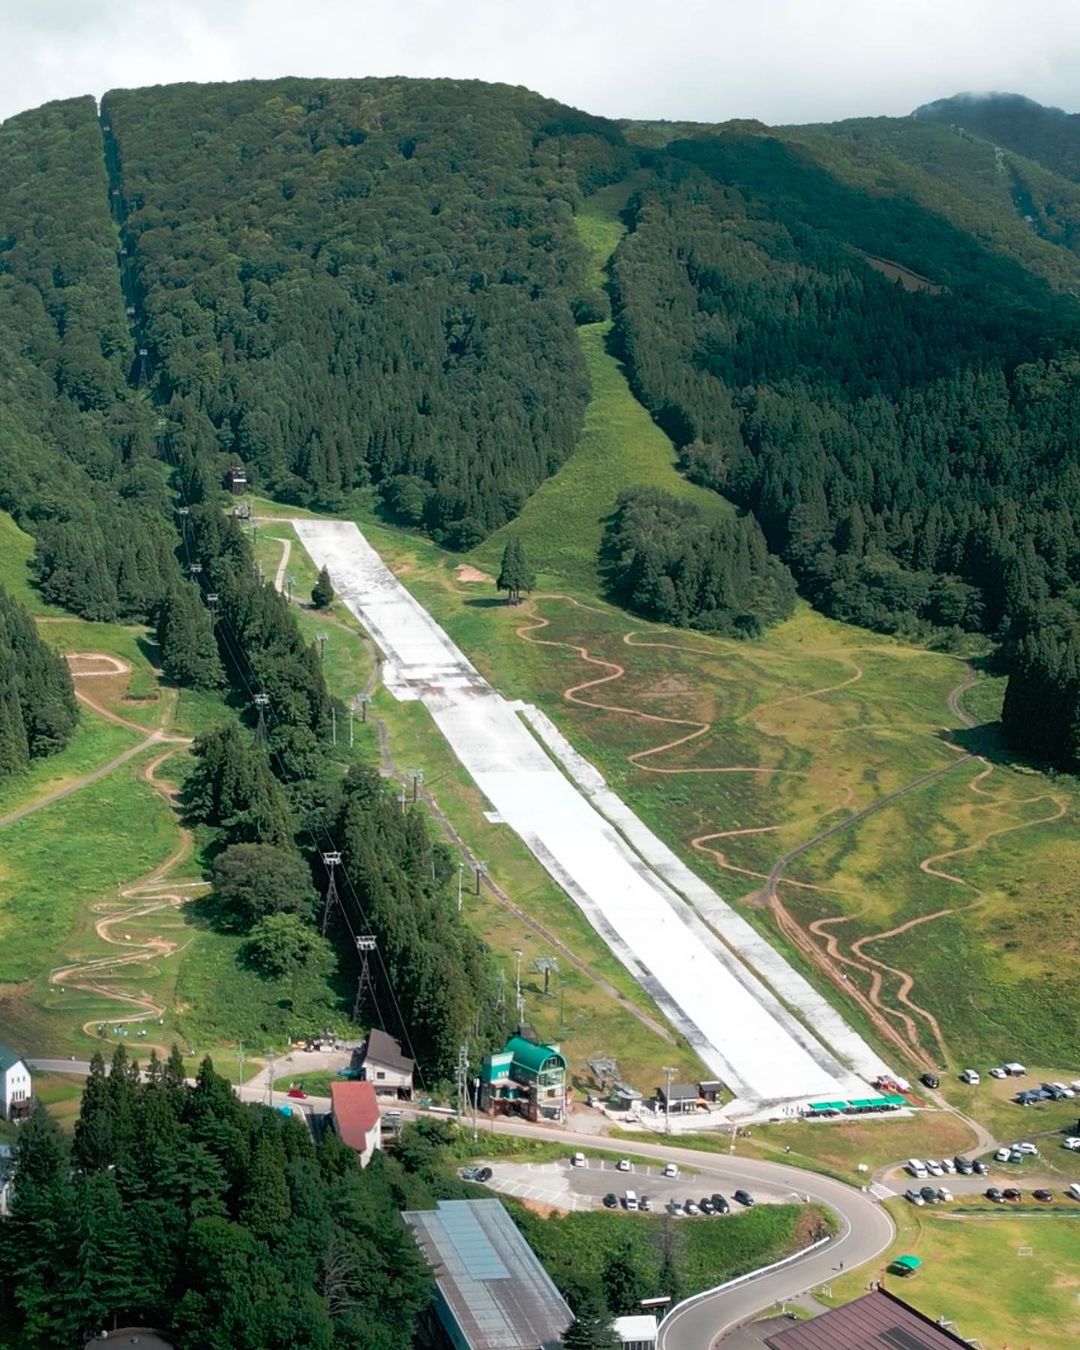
906 1265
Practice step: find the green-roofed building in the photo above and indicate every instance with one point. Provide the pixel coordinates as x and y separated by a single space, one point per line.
525 1078
16 1092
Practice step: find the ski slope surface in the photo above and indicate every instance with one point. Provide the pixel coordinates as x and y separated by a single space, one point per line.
747 1013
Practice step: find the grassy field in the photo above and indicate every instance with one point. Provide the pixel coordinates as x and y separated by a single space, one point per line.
973 1273
16 550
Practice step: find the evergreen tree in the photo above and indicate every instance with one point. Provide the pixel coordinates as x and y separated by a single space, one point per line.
623 1281
591 1328
322 593
515 575
254 880
189 654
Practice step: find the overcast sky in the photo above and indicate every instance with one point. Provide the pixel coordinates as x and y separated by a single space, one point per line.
707 60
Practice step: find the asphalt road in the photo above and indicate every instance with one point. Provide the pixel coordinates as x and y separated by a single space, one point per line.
865 1228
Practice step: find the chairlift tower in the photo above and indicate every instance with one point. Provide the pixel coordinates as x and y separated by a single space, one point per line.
330 862
462 1079
545 965
365 945
262 702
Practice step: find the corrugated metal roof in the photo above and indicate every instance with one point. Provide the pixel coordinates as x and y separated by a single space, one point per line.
355 1110
877 1321
531 1056
490 1282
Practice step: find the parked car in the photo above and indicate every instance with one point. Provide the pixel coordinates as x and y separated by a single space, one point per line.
992 1193
674 1206
670 1170
1016 1156
470 1173
971 1077
1002 1155
934 1168
1074 1190
630 1202
691 1207
297 1092
947 1165
930 1080
720 1204
1027 1148
1015 1070
916 1167
706 1206
964 1165
1061 1087
1012 1194
645 1204
1045 1196
999 1073
578 1160
611 1200
623 1165
914 1196
483 1174
979 1167
945 1194
744 1198
1072 1142
929 1194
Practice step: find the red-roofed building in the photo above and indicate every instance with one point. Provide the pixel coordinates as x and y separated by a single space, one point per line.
354 1115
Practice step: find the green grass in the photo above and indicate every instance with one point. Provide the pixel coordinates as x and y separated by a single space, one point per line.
972 1274
16 551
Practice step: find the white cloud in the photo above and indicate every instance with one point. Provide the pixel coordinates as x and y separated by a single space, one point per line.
779 60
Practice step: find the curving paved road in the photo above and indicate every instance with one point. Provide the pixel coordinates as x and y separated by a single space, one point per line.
865 1228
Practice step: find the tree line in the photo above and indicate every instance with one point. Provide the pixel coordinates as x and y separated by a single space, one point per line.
178 1206
38 711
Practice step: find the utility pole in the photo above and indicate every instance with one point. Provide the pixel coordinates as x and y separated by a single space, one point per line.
518 1000
270 1076
475 1100
481 870
240 1057
462 1076
333 723
290 582
322 639
417 776
365 945
330 861
460 871
669 1073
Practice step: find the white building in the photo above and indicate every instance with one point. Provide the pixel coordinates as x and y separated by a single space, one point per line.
382 1064
637 1332
15 1087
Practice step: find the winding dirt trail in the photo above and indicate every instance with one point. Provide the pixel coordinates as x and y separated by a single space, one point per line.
887 1000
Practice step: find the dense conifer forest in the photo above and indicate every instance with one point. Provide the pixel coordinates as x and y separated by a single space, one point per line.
865 335
37 702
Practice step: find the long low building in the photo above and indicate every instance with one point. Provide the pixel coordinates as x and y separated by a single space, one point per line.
491 1292
732 997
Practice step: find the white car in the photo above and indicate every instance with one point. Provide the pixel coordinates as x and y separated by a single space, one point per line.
970 1077
947 1165
623 1165
1068 1091
578 1160
670 1170
1071 1142
675 1206
1027 1148
934 1168
1002 1155
998 1073
914 1197
944 1194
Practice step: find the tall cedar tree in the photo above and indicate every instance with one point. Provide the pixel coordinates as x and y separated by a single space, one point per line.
322 593
185 635
38 711
515 575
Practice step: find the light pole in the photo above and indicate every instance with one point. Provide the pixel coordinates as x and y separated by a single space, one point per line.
460 870
481 870
669 1073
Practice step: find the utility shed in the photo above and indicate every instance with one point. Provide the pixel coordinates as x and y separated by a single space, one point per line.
877 1321
491 1292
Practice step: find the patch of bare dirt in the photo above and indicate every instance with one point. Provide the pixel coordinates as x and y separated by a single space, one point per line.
911 281
464 572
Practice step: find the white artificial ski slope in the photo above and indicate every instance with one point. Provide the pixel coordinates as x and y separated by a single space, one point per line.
734 1021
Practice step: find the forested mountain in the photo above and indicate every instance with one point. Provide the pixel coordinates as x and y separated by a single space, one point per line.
1047 135
371 280
76 449
865 335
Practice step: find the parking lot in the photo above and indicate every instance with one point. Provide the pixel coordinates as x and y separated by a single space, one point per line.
563 1186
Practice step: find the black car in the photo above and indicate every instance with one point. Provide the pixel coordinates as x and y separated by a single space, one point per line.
744 1198
1044 1196
930 1080
483 1174
706 1206
611 1200
719 1203
1011 1193
979 1167
963 1165
645 1204
930 1195
992 1193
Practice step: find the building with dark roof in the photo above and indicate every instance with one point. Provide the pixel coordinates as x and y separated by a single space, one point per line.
677 1099
877 1321
491 1292
382 1064
525 1077
355 1118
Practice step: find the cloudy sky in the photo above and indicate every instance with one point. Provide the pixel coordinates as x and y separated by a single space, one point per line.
779 60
